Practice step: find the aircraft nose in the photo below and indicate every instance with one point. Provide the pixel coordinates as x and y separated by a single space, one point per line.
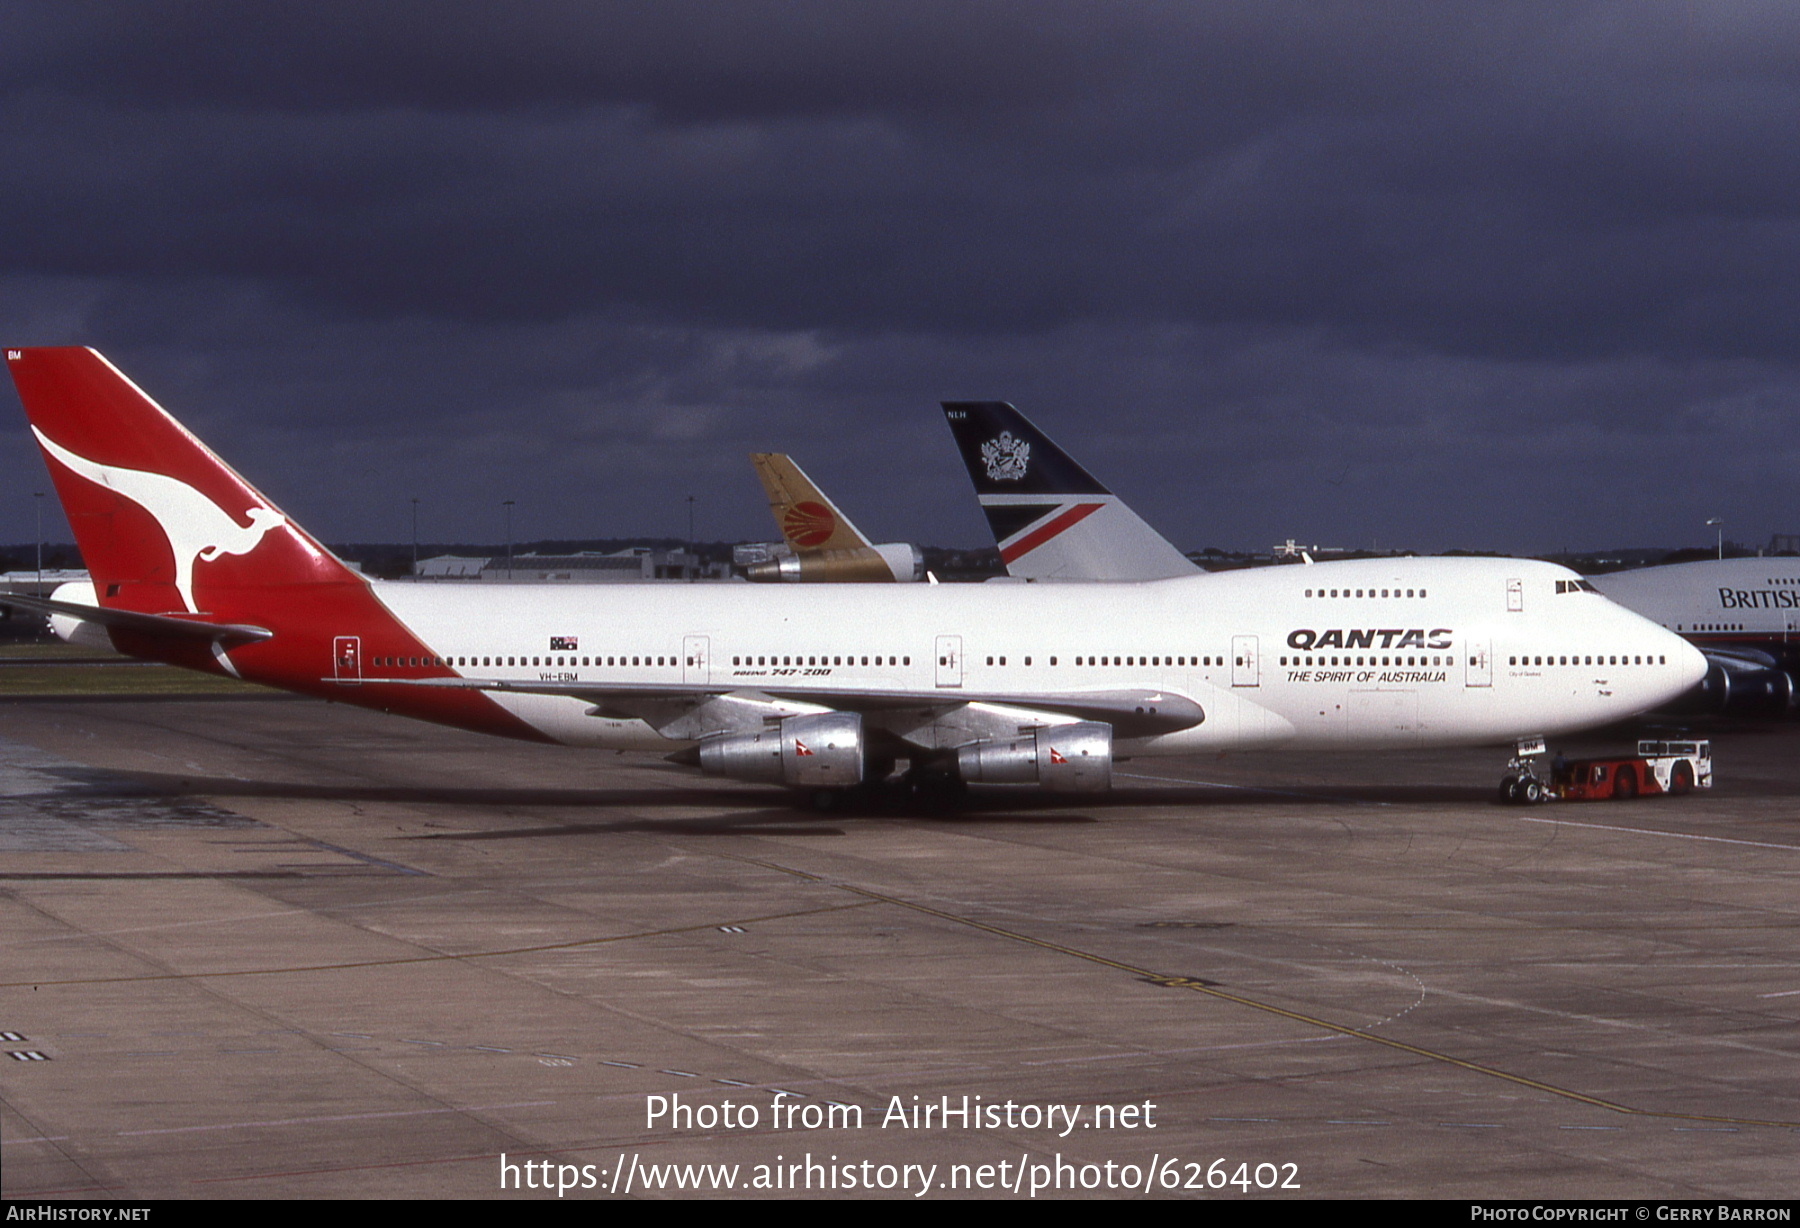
1692 661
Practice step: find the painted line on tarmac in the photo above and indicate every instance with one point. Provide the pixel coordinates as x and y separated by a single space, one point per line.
1217 784
435 958
1673 835
1195 985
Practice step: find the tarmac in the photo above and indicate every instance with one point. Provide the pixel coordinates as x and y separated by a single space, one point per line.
279 949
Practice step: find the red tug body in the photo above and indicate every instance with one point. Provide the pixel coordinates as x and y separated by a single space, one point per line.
1658 767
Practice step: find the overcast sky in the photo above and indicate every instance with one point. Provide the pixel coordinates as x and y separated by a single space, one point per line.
1503 276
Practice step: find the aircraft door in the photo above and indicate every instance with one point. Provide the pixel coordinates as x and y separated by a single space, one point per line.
1479 670
1244 668
695 659
1515 596
949 660
346 659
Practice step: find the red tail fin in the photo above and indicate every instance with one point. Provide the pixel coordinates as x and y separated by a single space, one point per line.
164 525
173 537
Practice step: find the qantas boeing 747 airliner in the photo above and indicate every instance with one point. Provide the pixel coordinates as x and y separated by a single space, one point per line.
826 687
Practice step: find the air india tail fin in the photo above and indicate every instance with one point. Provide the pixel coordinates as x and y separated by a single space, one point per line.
1050 517
165 526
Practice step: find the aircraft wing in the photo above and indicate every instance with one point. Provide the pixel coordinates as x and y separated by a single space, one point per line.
1131 713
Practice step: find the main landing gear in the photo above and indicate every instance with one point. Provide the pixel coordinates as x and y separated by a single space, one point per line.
1522 786
931 787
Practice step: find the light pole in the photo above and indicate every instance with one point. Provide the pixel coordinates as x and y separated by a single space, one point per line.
1718 522
508 505
37 501
693 559
415 504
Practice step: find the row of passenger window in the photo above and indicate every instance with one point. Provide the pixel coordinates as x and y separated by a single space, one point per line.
618 661
1363 592
1201 661
995 660
1597 660
501 662
827 660
1120 661
1389 661
1115 661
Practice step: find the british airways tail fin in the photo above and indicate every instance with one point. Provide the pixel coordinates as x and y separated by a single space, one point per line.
1051 519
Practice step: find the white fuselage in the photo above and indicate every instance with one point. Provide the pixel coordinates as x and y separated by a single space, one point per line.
1375 653
1716 600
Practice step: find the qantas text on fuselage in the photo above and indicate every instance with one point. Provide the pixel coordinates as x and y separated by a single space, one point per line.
1306 640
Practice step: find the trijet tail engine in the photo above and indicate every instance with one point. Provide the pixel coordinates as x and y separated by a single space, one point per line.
1073 758
886 563
822 750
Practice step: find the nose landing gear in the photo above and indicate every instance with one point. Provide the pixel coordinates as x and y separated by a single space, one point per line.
1522 786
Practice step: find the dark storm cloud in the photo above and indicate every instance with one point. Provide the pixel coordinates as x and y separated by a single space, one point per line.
690 61
1489 182
1452 253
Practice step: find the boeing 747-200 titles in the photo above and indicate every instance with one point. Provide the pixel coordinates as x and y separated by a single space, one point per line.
826 687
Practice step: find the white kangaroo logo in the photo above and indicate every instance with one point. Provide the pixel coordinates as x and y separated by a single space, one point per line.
197 528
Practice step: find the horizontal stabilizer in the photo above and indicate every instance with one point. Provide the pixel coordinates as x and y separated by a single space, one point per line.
167 626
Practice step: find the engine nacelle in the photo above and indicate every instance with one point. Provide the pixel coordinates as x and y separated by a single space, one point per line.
904 559
821 750
884 564
73 630
1075 758
1741 688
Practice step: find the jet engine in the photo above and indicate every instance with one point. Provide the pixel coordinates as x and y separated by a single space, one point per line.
1742 683
1074 758
72 630
884 564
822 750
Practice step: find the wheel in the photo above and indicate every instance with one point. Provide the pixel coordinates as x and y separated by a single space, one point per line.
1625 785
1681 780
1531 791
937 790
893 796
1509 791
